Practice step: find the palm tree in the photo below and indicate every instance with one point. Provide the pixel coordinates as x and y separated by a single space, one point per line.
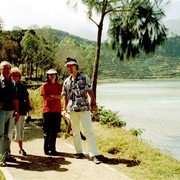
134 27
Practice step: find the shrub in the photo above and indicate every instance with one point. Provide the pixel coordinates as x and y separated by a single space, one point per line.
110 118
136 132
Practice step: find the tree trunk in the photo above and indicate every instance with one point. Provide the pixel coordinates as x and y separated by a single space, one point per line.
97 58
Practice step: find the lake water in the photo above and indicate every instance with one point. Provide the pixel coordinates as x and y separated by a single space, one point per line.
153 106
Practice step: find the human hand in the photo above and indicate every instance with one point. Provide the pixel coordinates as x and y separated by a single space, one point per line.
16 116
94 108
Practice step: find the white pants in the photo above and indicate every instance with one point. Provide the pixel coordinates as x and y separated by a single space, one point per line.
19 128
85 118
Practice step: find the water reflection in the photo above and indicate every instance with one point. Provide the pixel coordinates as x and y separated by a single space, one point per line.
152 106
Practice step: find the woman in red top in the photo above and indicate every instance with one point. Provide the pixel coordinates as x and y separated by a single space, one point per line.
51 93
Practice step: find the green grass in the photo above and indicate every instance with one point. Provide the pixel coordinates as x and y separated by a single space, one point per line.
150 163
1 176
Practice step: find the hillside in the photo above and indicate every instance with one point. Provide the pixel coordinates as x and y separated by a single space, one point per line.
153 66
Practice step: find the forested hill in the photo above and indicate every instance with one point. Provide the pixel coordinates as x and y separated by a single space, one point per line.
161 64
60 35
37 50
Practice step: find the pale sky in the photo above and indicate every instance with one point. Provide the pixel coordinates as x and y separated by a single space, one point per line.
57 15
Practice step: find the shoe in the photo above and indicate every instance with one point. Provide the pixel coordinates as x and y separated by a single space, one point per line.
9 158
47 153
79 156
22 152
54 153
95 160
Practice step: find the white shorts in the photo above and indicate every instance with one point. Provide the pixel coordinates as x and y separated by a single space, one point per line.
19 129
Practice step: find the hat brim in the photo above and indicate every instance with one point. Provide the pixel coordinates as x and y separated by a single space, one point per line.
70 63
51 71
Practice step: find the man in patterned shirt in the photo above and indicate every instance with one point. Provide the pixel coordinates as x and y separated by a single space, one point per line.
76 89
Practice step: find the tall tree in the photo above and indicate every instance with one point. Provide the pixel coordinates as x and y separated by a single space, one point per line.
29 44
16 35
134 26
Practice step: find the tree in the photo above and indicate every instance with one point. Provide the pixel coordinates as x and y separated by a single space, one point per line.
134 27
29 44
16 35
8 48
172 46
69 47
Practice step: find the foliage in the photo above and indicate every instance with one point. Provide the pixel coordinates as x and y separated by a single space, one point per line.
110 118
172 46
36 103
136 28
164 63
2 176
136 132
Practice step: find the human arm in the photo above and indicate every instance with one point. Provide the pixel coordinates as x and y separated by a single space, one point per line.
16 109
47 93
52 96
93 104
29 108
64 97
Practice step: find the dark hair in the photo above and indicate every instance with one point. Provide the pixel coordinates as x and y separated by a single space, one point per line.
68 59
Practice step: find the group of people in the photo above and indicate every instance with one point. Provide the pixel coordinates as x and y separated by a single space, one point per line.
14 104
79 102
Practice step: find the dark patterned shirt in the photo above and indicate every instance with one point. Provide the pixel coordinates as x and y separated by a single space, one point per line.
76 92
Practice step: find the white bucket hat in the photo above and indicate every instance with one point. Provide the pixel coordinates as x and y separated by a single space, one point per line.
51 71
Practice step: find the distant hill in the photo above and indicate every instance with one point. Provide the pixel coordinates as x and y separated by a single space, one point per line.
60 35
173 26
149 67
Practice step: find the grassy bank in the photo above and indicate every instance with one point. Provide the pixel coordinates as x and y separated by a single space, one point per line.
133 156
2 176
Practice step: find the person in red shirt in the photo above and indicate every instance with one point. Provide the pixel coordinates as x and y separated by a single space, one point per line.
51 93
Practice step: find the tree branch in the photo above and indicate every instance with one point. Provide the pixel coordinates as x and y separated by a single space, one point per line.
93 21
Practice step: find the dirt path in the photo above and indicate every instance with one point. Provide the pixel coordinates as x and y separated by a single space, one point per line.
39 166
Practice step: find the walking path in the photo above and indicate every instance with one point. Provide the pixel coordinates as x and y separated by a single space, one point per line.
37 166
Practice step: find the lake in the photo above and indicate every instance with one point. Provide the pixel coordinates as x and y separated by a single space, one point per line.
153 106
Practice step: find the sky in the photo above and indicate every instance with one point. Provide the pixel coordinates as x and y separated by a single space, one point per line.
57 15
